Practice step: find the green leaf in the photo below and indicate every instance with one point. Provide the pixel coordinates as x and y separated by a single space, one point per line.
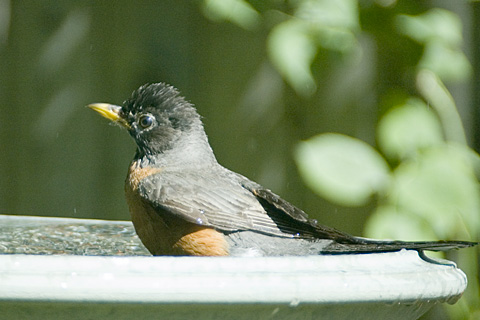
407 129
440 99
332 23
238 12
434 25
441 188
389 222
292 50
334 14
342 169
293 44
449 64
341 40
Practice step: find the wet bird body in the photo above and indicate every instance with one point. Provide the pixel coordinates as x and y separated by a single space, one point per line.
183 202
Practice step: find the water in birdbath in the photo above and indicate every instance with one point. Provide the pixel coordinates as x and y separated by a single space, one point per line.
36 235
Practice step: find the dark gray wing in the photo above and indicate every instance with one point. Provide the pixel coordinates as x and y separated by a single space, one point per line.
290 217
215 199
228 201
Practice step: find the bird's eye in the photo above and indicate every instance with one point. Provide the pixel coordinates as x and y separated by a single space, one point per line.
145 121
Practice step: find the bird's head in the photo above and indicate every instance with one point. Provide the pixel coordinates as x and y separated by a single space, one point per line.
156 116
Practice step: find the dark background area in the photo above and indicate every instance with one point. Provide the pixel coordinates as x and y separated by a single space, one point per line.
60 159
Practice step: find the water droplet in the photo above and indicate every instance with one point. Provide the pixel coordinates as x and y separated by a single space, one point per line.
314 221
294 303
202 211
63 285
275 311
199 221
297 235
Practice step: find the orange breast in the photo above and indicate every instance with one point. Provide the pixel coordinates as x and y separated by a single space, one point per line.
163 233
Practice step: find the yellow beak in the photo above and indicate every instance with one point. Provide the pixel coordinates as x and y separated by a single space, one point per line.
111 112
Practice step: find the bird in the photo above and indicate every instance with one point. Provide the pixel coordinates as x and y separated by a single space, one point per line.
184 203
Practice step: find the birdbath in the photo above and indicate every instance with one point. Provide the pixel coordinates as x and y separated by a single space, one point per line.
57 268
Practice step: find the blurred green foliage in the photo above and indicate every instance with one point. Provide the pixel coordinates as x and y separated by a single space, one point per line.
342 169
423 175
293 43
440 33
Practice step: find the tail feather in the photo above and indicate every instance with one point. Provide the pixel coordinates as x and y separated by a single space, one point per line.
370 246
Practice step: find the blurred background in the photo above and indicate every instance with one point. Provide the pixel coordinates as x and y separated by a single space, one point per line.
265 75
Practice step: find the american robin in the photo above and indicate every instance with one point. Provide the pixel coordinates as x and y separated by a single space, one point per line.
183 202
